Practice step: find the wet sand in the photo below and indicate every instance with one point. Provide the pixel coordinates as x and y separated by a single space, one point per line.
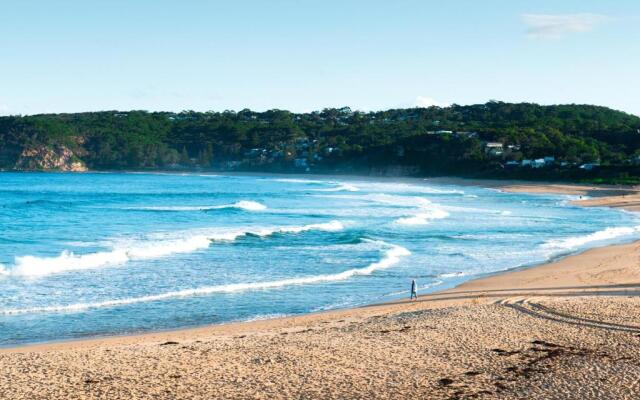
565 330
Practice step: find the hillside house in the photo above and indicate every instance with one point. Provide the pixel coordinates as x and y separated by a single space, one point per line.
494 148
538 163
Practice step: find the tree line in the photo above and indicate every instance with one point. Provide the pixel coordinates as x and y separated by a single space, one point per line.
427 141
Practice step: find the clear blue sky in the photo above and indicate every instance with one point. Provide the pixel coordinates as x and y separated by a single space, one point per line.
82 55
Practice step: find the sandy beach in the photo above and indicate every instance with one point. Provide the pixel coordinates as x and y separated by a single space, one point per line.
565 330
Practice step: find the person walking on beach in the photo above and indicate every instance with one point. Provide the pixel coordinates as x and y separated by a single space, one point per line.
414 290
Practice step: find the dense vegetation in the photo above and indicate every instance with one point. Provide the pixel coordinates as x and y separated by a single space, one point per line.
420 141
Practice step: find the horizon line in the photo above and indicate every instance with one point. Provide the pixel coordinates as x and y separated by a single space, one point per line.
317 110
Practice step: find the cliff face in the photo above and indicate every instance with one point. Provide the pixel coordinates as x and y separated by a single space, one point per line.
58 158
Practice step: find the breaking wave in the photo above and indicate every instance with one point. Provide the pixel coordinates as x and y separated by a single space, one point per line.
246 205
392 255
32 266
423 217
405 188
354 186
576 242
425 210
341 187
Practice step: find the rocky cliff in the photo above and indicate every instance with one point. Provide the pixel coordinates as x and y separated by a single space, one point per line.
46 158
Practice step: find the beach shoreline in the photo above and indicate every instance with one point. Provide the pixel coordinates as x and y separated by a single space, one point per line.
569 283
596 196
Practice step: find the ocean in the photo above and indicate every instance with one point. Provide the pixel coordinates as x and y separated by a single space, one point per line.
85 255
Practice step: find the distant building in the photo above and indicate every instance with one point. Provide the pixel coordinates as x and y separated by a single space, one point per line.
538 163
512 164
494 148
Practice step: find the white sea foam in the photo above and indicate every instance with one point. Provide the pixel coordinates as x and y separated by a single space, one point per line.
454 274
190 241
424 210
392 255
3 270
395 187
66 261
600 236
247 205
341 187
353 186
423 217
383 198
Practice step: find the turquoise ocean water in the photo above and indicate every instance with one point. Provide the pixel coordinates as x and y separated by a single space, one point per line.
113 253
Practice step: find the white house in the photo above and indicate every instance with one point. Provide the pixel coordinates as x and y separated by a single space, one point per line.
494 148
538 163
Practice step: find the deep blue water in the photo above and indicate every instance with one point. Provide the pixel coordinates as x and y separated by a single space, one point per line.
95 254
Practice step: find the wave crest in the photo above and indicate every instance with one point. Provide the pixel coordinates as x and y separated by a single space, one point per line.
32 266
341 187
599 236
246 205
425 210
392 255
423 217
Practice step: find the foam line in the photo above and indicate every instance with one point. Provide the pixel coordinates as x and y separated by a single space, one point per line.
341 187
425 210
392 255
32 266
423 217
579 241
246 205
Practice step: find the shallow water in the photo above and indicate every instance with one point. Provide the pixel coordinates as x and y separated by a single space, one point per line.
95 254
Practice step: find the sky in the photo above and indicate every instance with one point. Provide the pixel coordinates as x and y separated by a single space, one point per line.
160 55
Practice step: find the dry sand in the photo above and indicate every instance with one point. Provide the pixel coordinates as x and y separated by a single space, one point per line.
566 330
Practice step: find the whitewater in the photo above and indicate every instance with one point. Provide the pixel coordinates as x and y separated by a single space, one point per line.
96 254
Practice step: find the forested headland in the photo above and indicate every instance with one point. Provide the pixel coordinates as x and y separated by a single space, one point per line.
492 140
